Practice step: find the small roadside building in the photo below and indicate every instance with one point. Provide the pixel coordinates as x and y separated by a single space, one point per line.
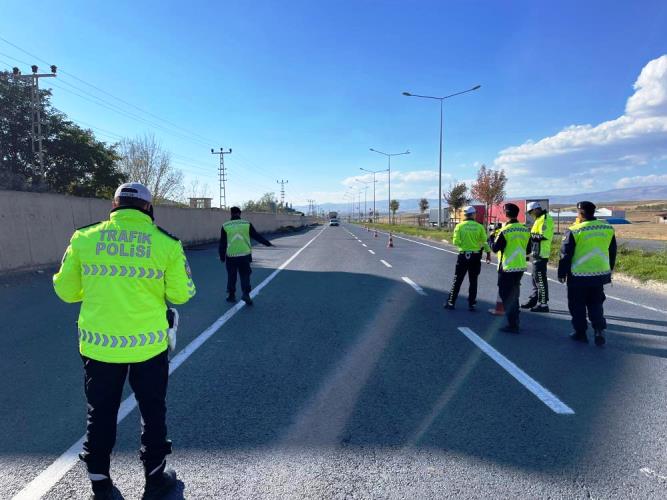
661 218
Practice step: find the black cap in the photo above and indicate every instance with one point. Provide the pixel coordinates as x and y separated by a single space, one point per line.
586 206
511 210
235 210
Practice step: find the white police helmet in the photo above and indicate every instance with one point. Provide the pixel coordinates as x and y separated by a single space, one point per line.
470 210
533 205
134 190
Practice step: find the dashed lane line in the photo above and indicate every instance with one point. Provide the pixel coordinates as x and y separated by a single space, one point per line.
385 263
414 285
371 251
543 394
41 484
364 244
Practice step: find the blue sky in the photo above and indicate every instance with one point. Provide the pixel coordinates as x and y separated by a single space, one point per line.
301 89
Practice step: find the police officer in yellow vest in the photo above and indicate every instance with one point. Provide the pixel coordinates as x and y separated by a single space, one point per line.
122 270
235 251
587 258
470 238
541 235
512 243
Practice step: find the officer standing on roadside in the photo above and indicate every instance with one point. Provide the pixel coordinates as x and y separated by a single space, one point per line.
122 270
235 251
587 258
512 243
540 235
470 238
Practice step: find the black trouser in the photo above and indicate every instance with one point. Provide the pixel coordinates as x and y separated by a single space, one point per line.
582 298
509 288
240 265
470 263
104 388
540 294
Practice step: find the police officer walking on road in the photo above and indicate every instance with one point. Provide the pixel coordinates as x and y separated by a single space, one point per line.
587 259
540 236
122 270
512 243
235 251
470 238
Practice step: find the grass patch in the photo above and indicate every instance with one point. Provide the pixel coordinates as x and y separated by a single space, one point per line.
640 264
423 232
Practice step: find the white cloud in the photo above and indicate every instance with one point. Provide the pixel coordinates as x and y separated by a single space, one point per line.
633 140
642 180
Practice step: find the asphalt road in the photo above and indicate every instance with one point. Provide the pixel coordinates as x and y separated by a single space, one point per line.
347 379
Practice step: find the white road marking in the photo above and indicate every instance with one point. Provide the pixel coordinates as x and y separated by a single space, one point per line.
371 251
385 262
41 484
544 395
414 285
651 473
364 244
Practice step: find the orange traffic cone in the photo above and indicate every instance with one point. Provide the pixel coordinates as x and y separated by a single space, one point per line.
499 310
390 243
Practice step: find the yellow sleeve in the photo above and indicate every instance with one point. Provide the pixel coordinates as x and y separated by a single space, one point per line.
456 240
179 287
67 281
484 239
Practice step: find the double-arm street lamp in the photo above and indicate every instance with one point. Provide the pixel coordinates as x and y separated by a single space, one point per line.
374 182
440 158
389 155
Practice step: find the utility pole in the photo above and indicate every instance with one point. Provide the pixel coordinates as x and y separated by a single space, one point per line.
282 192
222 173
36 106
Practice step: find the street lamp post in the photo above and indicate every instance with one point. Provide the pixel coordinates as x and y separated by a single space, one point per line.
365 195
408 94
389 155
374 181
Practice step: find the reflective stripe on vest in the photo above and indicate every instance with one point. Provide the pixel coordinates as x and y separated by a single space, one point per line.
591 250
513 258
238 238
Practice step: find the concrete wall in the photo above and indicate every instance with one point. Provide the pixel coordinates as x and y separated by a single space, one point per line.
36 227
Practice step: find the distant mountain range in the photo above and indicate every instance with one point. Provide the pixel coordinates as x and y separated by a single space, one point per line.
624 194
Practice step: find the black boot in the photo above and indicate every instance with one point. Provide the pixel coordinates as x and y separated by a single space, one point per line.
599 338
102 490
510 329
231 297
159 484
246 298
448 305
540 308
472 306
530 304
579 337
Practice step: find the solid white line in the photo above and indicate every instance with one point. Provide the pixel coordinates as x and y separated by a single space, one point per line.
385 262
371 251
544 395
41 484
414 285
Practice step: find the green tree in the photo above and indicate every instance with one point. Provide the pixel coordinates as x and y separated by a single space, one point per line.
267 203
456 197
489 187
75 162
423 205
393 206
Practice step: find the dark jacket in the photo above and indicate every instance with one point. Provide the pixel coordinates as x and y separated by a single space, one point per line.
222 246
565 263
499 244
